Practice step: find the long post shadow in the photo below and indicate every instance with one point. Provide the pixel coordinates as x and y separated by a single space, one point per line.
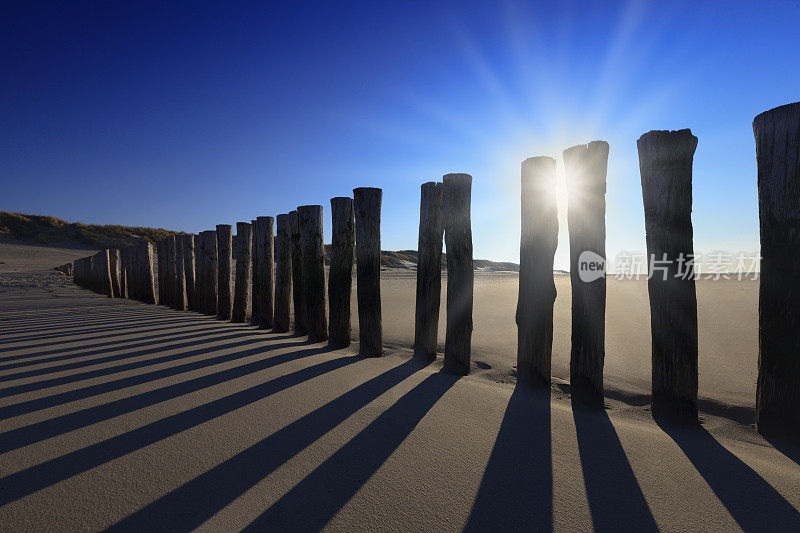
753 503
191 504
38 477
615 499
102 388
516 492
337 479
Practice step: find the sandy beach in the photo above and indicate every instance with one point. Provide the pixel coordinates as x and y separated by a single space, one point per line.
120 414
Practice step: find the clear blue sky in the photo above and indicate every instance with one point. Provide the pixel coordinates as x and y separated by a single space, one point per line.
186 115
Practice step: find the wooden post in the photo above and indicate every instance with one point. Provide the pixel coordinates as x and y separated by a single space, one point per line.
340 276
180 275
456 201
172 273
210 271
429 272
586 167
255 274
114 264
777 135
133 261
310 219
265 233
537 289
244 234
283 275
146 274
665 163
225 261
298 291
161 258
367 207
123 274
187 243
200 291
104 273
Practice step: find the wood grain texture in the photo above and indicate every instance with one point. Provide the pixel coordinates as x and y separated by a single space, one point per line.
429 271
244 234
456 220
210 271
777 135
340 277
189 260
298 291
310 219
265 233
283 275
665 163
224 270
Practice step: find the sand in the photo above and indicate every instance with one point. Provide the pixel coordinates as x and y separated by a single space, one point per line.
116 413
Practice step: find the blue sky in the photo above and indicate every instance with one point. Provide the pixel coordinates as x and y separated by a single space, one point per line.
187 115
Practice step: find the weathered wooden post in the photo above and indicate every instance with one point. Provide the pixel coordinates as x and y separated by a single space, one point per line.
133 264
777 135
147 276
200 293
210 271
456 202
298 291
265 232
537 289
665 163
283 275
225 260
586 167
172 273
123 274
244 234
114 265
187 243
161 258
180 275
340 276
367 207
104 271
429 271
310 219
255 274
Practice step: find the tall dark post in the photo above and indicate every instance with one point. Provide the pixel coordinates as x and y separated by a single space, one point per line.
537 289
115 277
456 203
367 207
298 292
244 234
665 162
172 273
586 167
340 277
180 275
210 271
255 273
161 252
429 271
200 273
189 270
106 284
777 135
267 289
224 264
310 218
283 275
146 275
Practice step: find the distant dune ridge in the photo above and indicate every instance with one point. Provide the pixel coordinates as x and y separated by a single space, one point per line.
47 230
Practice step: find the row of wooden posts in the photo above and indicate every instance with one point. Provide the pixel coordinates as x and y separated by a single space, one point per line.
194 272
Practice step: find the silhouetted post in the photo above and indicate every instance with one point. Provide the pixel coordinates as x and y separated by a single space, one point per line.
133 261
586 167
244 234
429 271
456 201
180 275
172 274
225 261
116 287
187 243
106 285
147 277
340 276
537 289
255 274
777 135
367 207
310 218
283 275
265 232
161 258
200 273
298 291
123 275
665 162
210 271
